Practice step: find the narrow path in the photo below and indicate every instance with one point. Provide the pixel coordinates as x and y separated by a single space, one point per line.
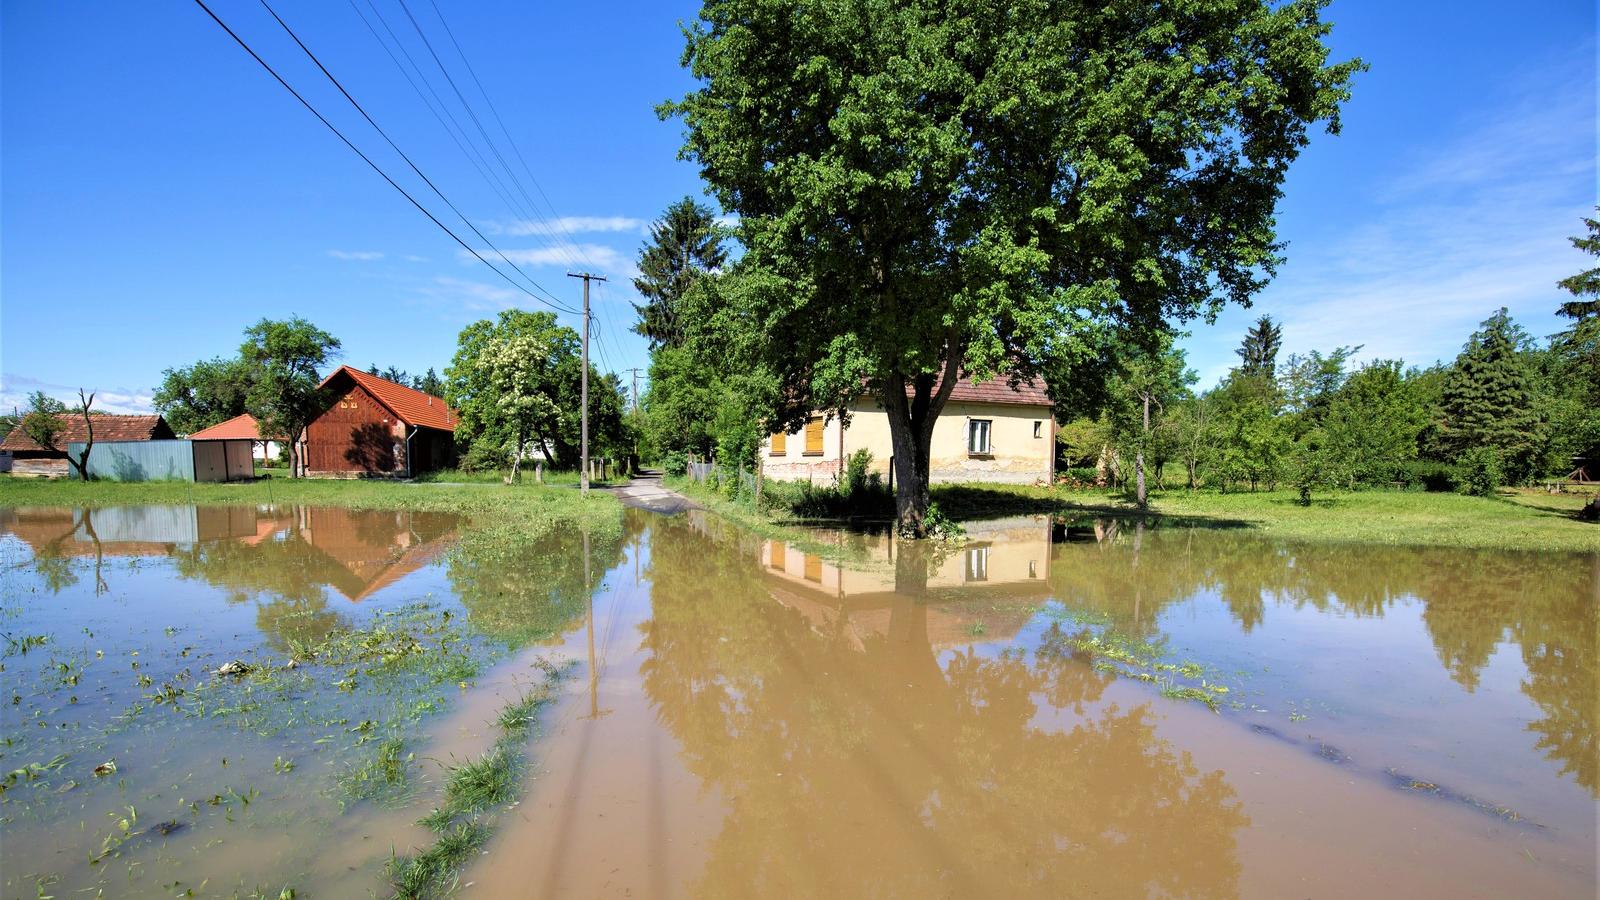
644 491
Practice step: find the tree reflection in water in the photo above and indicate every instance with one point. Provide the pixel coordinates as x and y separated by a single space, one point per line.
881 767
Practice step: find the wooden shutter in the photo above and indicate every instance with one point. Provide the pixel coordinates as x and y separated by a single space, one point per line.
814 436
778 559
780 444
813 568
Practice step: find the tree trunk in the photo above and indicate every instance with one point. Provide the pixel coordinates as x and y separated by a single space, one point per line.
911 421
1138 459
516 458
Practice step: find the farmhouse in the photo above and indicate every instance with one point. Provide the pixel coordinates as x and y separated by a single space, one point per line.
989 431
243 428
28 458
377 427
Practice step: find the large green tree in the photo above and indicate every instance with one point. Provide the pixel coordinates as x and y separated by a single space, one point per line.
1258 352
1489 398
928 189
685 244
205 393
286 357
1149 379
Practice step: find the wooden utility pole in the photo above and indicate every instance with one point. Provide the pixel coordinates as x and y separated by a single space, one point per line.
583 445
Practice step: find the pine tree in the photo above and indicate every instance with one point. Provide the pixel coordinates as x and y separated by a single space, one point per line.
1259 351
685 243
1489 398
1585 285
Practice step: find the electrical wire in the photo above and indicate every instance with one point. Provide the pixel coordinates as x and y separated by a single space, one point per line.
420 174
364 158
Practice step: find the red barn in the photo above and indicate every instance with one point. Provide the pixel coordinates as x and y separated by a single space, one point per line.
377 427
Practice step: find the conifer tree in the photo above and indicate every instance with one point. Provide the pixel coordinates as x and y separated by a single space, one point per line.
1258 353
685 243
1489 398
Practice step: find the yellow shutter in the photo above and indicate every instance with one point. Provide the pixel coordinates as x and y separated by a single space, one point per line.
814 436
779 560
813 568
780 444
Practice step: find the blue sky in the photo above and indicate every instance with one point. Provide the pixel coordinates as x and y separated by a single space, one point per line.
159 192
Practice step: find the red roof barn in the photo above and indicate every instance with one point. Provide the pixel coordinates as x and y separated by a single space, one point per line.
378 427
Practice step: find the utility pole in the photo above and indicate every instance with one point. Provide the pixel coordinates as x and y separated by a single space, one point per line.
583 447
635 388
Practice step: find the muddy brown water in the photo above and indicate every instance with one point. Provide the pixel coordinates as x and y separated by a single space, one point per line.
1048 709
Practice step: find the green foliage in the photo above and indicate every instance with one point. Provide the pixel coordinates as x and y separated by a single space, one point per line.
1489 398
42 420
1258 353
685 244
928 188
205 393
285 358
1585 285
675 463
1478 472
524 371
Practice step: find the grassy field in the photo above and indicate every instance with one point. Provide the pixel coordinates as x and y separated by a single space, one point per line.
1519 520
525 508
1522 520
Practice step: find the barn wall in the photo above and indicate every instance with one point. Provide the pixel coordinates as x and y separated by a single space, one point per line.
355 436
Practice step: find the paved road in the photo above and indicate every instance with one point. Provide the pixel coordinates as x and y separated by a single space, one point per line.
644 491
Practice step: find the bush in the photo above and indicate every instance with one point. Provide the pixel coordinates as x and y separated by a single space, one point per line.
485 456
1426 475
675 462
1478 472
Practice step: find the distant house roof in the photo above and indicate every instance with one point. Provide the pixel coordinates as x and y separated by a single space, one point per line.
997 390
107 427
408 404
237 428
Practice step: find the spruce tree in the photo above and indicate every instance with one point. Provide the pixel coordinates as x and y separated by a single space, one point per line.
685 243
1489 398
1258 353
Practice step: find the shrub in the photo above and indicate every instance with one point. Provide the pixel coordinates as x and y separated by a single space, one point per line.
1478 472
485 455
675 462
1427 475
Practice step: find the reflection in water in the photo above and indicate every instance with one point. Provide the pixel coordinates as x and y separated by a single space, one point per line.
904 772
1547 605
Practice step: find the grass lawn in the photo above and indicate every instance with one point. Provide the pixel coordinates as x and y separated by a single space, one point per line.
526 508
1522 520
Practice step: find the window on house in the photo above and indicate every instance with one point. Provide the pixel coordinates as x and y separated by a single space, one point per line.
977 564
1038 429
780 444
978 436
814 436
1033 568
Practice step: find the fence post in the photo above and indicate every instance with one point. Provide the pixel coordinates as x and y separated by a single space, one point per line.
760 470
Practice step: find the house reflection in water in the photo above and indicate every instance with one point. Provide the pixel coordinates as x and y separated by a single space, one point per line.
984 589
354 552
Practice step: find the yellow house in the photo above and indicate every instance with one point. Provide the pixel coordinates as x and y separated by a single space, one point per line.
989 431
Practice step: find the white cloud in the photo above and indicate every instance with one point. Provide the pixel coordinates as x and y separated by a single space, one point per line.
15 390
1467 225
567 225
603 259
356 255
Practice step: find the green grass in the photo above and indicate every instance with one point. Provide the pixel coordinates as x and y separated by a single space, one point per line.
1521 520
552 477
433 872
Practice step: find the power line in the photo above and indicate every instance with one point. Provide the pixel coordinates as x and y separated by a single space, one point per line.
420 174
505 131
364 158
477 123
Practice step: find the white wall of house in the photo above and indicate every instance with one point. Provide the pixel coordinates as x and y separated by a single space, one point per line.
1020 446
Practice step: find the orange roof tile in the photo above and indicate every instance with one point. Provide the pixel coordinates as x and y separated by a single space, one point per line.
408 404
237 428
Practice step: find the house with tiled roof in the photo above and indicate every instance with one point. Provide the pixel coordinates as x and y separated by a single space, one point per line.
243 428
376 427
28 458
994 430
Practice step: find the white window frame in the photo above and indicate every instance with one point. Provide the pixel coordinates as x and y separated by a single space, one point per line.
983 428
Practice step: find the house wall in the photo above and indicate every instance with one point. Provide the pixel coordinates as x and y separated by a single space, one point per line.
28 462
1017 456
352 440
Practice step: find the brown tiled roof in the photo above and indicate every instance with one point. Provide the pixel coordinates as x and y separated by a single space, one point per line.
1000 390
410 405
237 428
106 428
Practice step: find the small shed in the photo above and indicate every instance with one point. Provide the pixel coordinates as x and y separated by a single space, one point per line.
171 460
243 427
28 458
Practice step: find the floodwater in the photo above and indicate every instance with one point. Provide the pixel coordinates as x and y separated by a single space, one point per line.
1049 709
